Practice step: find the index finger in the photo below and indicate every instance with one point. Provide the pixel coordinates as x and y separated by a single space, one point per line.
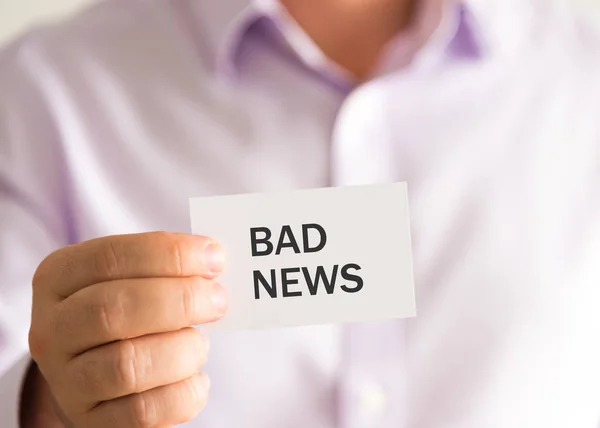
146 255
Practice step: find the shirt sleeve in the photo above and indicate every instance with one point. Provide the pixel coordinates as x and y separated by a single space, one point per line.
33 204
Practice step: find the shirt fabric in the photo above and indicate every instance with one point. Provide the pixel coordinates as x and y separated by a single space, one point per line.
111 120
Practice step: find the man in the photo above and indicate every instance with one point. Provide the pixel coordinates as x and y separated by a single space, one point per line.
112 119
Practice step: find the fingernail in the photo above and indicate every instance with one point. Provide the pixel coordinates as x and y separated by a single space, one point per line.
219 299
214 257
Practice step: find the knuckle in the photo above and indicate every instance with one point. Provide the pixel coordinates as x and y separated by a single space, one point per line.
37 343
195 398
107 419
63 325
143 410
109 311
107 262
188 299
40 275
175 252
57 263
178 257
85 379
173 247
181 252
126 367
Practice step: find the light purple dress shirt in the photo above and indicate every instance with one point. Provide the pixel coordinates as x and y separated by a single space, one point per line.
112 119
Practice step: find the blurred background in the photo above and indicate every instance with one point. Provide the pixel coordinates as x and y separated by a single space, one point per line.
18 15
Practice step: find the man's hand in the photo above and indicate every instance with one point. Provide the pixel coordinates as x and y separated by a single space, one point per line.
111 328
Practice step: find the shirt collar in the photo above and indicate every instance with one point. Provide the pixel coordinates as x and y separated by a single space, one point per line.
495 26
223 23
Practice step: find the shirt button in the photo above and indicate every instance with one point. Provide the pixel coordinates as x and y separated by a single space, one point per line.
372 400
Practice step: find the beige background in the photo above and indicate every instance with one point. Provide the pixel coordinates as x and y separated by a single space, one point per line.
18 15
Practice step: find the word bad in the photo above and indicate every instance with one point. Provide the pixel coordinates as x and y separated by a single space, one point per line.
314 239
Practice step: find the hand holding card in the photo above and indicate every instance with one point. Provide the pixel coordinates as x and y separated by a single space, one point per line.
111 329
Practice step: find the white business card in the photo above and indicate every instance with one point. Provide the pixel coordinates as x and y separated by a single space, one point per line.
312 256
